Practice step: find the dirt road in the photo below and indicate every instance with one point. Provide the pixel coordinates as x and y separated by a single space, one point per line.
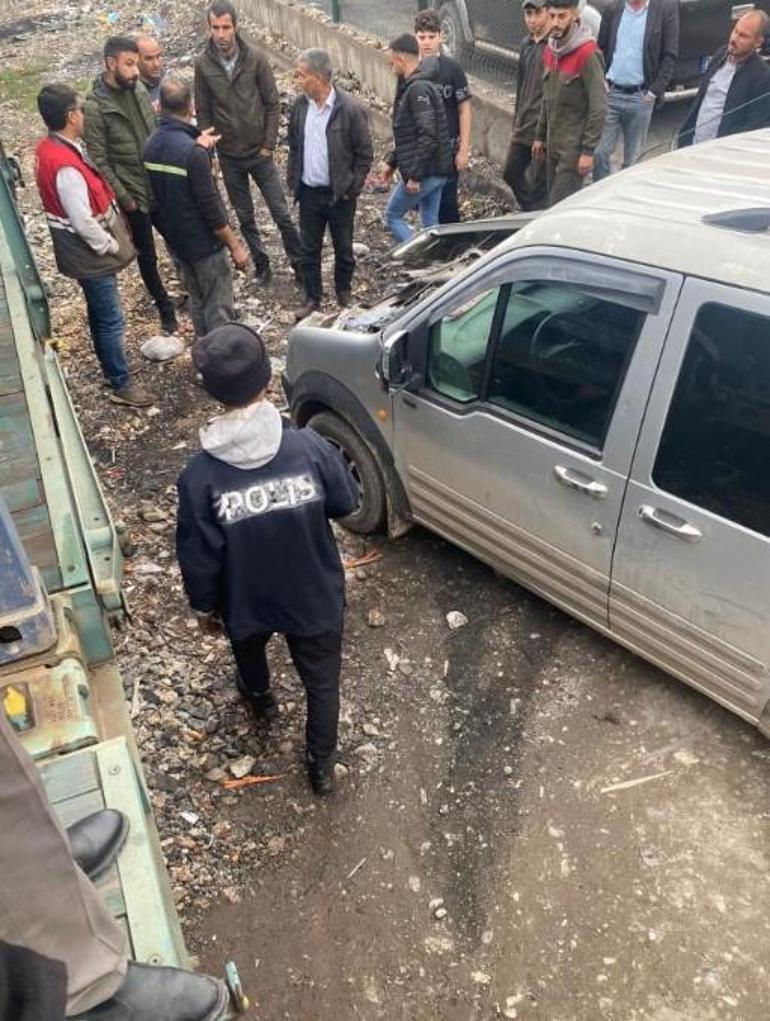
534 824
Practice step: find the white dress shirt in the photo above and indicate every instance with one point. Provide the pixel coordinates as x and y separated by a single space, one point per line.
315 156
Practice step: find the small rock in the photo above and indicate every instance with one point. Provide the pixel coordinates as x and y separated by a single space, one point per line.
414 884
439 914
341 771
375 618
151 514
190 817
242 767
456 619
231 894
360 249
370 730
481 978
161 349
686 758
366 751
216 775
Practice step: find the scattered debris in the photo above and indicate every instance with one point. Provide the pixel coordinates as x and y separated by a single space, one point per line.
628 784
456 619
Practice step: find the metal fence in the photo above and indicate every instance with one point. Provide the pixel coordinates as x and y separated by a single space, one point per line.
485 46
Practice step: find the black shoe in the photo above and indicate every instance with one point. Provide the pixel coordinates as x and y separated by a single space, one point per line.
149 993
168 319
308 306
97 840
264 707
321 776
344 298
263 274
299 276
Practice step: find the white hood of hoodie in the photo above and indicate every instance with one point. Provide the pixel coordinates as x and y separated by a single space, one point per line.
246 437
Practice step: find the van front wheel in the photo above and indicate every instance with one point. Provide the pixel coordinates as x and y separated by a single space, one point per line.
369 514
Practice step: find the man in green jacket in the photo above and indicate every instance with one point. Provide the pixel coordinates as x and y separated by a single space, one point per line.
574 102
119 119
236 94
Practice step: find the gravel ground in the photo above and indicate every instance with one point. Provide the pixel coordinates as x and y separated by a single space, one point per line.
476 862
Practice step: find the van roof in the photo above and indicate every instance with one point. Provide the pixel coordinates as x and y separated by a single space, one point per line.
653 213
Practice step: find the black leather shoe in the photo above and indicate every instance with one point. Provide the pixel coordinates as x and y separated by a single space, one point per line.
97 840
344 299
322 778
263 274
306 308
168 320
264 706
162 994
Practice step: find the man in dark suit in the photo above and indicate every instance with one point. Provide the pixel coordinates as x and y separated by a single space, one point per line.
639 40
734 94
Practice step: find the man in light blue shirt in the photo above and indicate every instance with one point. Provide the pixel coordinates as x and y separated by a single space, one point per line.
639 40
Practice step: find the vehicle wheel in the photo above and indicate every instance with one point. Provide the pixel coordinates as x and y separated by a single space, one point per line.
454 42
370 512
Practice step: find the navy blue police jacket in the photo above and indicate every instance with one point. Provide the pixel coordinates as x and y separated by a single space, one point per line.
256 546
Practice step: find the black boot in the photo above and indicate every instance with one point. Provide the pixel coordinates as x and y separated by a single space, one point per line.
168 320
149 994
264 706
97 840
321 776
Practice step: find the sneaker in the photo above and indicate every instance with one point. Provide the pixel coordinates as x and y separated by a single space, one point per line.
308 306
168 319
322 777
133 395
263 273
344 298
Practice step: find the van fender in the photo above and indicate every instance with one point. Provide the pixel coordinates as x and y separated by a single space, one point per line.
316 391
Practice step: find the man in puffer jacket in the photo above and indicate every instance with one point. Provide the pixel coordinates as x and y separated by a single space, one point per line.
254 544
422 149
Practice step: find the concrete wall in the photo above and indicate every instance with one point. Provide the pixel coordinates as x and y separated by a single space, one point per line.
365 57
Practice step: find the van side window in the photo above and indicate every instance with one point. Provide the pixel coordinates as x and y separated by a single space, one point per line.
561 357
715 448
458 347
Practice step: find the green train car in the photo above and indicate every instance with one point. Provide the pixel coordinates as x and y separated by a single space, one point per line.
60 597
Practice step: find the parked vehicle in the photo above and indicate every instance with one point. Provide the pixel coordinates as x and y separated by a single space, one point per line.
586 407
496 27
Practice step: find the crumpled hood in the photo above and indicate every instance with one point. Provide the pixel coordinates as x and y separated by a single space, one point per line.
245 438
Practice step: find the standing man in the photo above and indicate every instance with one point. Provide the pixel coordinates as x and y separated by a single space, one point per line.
90 240
119 119
639 40
574 102
235 93
735 92
330 154
422 149
452 81
254 544
191 214
150 67
523 175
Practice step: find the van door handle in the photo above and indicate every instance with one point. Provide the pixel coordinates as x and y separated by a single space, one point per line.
671 524
580 482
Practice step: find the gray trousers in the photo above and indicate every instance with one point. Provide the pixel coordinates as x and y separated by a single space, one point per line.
264 172
210 284
46 903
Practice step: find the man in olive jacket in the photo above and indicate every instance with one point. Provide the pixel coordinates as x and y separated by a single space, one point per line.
119 119
235 93
574 102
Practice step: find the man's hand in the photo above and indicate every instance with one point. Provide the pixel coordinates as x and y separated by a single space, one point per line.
207 139
585 164
386 173
267 153
412 187
462 158
130 206
210 623
538 151
240 256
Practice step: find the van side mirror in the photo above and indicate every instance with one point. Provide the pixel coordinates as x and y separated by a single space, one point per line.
395 370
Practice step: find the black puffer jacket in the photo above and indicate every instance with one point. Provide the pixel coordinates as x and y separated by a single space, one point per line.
421 143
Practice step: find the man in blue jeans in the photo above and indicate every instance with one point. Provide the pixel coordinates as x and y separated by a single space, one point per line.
90 240
422 149
639 40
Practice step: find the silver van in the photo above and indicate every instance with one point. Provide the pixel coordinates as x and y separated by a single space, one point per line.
585 406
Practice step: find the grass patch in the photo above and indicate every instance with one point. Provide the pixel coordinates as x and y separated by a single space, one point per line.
20 85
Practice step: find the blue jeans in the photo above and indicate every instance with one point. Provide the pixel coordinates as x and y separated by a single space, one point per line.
627 116
428 199
107 325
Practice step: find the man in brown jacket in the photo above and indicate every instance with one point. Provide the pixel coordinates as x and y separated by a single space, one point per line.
235 93
574 102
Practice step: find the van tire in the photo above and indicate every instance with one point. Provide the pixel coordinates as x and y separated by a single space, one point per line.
455 45
369 515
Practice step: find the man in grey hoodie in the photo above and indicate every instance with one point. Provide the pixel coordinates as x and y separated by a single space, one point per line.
254 544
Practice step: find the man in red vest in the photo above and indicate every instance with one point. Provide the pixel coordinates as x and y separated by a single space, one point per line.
90 240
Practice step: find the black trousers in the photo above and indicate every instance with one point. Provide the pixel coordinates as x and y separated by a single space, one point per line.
525 177
317 211
146 256
318 660
237 175
449 210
